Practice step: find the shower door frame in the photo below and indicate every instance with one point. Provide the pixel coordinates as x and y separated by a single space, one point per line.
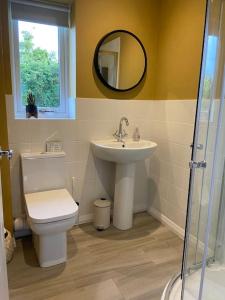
194 148
203 262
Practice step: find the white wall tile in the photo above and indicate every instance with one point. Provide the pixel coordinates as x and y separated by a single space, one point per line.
161 182
171 126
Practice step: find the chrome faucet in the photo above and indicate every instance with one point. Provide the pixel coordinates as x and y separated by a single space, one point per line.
121 133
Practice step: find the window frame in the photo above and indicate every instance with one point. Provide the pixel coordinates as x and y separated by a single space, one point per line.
61 112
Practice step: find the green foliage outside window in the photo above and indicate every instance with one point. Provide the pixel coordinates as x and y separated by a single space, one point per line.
39 73
207 87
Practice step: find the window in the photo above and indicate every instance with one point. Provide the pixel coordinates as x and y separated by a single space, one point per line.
210 67
40 53
209 74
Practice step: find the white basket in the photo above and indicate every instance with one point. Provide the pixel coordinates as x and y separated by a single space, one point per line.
10 244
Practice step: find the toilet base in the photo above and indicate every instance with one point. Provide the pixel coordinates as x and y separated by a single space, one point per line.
50 241
51 249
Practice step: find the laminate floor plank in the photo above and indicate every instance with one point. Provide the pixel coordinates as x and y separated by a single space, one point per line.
107 265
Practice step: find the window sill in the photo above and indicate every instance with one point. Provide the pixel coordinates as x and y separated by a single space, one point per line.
23 117
46 116
70 114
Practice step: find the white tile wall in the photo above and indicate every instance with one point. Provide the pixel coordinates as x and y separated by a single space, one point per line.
161 182
171 126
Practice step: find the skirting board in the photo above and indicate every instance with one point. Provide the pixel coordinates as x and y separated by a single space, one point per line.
86 218
155 213
177 229
166 221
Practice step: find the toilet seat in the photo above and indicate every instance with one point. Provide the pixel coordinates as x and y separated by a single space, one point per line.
50 206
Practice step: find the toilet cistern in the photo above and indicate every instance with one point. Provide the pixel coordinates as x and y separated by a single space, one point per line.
121 133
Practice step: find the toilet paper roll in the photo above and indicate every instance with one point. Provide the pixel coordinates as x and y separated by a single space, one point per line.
21 224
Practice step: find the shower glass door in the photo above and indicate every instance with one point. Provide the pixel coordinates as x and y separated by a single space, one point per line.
204 236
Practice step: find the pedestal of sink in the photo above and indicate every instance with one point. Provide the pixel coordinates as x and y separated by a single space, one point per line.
124 196
125 155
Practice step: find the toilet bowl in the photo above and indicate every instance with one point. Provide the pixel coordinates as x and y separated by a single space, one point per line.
50 209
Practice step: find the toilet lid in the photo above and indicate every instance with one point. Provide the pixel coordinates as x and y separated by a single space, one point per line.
50 206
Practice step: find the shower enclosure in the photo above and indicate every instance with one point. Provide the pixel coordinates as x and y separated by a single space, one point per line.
203 267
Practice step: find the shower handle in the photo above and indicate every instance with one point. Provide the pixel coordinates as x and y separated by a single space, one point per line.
197 164
199 146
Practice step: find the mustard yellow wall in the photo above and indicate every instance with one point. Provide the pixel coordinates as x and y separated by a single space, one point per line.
171 31
5 88
179 48
93 20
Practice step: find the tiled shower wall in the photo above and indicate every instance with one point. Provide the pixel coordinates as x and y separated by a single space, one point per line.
161 182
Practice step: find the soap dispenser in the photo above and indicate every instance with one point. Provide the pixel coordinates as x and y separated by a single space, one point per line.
136 135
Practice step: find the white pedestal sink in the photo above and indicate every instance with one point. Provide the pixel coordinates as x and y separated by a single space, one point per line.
124 155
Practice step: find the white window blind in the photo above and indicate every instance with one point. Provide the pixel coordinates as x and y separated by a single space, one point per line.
42 12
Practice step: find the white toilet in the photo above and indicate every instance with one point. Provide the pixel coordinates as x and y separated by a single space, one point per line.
50 209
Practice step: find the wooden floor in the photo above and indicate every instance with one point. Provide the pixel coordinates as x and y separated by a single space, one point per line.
108 265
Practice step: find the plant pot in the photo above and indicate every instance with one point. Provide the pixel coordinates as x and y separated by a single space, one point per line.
31 111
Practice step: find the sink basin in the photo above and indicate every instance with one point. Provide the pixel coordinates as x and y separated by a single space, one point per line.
123 153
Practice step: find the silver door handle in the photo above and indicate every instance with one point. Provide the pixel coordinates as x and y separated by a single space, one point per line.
6 153
197 164
199 146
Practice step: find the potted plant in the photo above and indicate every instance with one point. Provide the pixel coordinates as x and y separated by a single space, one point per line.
31 108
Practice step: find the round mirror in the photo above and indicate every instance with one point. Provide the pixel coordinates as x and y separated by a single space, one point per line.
120 60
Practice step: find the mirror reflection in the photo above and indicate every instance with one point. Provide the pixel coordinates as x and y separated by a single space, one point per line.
120 60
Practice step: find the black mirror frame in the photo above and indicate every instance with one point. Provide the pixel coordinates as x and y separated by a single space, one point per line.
96 66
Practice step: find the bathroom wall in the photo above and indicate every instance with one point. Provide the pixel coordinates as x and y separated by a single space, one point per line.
171 126
93 19
171 31
161 182
96 119
180 34
161 185
173 47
